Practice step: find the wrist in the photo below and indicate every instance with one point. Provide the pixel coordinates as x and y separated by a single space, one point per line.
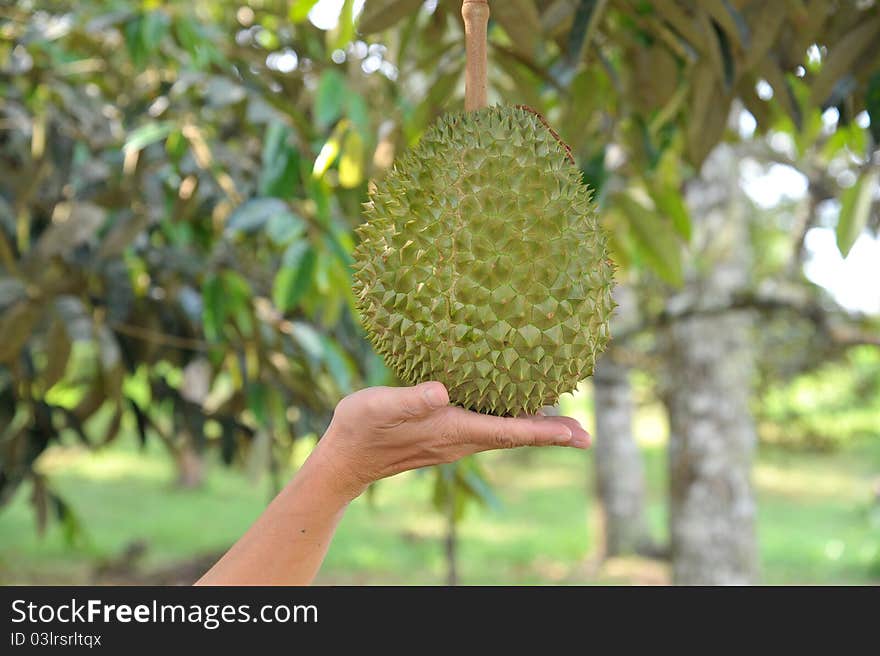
326 470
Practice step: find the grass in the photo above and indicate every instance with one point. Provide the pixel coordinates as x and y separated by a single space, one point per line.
818 521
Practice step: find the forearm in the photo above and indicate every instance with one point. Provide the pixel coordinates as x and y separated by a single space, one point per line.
288 542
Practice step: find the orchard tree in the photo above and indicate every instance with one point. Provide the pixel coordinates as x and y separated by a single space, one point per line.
180 182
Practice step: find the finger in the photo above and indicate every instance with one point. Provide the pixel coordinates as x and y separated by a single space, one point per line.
419 400
580 437
488 432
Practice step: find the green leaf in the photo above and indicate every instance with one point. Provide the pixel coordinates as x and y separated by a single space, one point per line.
295 253
473 478
339 364
450 486
283 228
214 309
144 35
340 244
855 208
345 30
257 402
238 301
148 134
279 176
176 145
359 113
444 491
267 39
670 204
330 99
154 27
308 339
654 237
190 37
72 527
849 136
254 214
299 10
295 277
320 192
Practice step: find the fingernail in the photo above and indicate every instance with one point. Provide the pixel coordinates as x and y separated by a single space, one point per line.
563 436
432 397
581 442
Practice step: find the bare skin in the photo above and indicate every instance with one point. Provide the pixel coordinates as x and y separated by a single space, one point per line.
375 433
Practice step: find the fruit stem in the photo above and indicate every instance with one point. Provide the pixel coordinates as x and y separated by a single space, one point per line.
476 17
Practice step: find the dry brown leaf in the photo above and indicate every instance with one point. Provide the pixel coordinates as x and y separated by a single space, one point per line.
57 353
842 56
738 34
381 14
767 24
655 77
520 20
707 115
683 23
713 47
16 325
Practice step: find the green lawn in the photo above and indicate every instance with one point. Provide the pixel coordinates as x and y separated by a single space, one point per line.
818 522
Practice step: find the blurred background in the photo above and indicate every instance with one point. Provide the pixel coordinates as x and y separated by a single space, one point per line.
179 184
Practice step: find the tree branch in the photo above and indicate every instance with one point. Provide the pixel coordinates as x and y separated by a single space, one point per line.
821 317
148 335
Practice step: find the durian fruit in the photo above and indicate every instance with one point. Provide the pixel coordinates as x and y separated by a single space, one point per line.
482 265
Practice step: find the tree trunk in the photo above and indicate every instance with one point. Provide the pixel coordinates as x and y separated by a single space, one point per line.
190 459
620 476
450 542
708 378
190 468
712 509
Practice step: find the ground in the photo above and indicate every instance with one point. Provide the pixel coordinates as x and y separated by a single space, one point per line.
819 522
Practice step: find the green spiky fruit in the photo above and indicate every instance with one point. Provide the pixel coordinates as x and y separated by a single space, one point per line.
482 264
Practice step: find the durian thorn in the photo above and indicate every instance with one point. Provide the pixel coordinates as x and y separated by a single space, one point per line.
568 154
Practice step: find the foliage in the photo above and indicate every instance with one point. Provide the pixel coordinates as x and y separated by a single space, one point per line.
179 182
170 248
825 408
813 522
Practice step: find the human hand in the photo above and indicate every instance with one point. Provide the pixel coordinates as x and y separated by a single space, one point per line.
377 432
382 431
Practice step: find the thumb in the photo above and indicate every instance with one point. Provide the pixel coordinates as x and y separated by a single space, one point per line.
421 399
